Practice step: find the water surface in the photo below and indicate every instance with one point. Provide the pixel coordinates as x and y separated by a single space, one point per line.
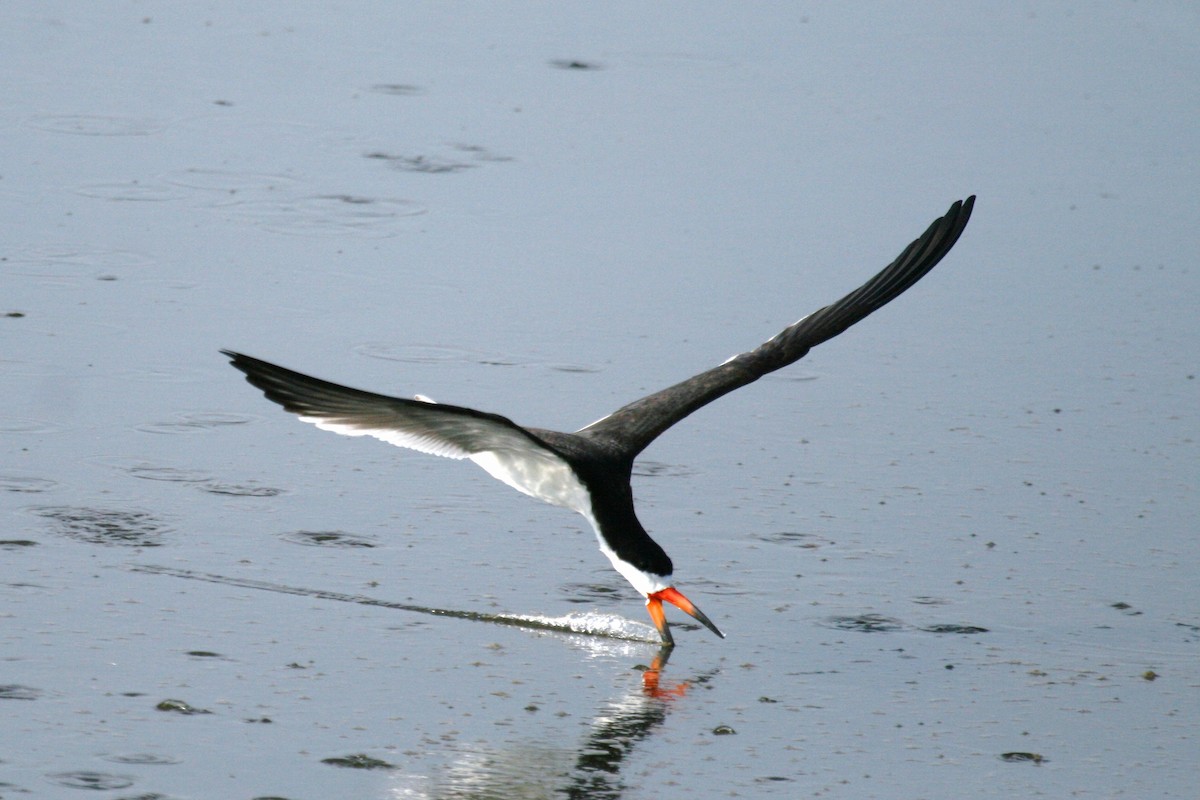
954 550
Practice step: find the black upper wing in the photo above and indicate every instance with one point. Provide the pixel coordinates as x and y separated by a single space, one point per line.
631 428
435 428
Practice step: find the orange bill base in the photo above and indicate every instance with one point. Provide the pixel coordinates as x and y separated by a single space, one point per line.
673 596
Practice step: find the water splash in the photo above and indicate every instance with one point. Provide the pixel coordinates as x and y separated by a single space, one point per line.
591 623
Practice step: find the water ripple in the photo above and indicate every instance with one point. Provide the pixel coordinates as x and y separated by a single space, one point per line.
877 623
327 539
328 215
195 422
72 261
15 691
229 182
241 489
105 526
95 124
132 191
25 484
86 779
148 759
19 425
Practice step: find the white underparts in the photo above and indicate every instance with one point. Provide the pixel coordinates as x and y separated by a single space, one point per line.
543 475
538 473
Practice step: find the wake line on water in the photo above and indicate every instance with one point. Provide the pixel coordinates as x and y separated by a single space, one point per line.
608 626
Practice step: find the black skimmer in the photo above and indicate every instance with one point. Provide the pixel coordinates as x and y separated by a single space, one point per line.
588 471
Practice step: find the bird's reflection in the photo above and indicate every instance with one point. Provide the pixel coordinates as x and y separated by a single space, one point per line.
616 732
592 770
652 685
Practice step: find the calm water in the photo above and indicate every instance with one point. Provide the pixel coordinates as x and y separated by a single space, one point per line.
954 550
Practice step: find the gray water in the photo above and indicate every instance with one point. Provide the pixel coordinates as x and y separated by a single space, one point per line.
954 550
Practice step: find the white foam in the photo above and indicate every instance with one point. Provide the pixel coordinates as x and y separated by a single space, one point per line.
593 623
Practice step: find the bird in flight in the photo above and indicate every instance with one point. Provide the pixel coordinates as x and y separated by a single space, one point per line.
588 471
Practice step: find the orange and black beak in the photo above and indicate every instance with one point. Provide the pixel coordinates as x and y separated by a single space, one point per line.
673 596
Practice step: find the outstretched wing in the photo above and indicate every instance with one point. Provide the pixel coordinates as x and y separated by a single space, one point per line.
507 451
634 426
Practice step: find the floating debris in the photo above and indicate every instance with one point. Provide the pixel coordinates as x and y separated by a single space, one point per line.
180 707
357 761
1033 758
